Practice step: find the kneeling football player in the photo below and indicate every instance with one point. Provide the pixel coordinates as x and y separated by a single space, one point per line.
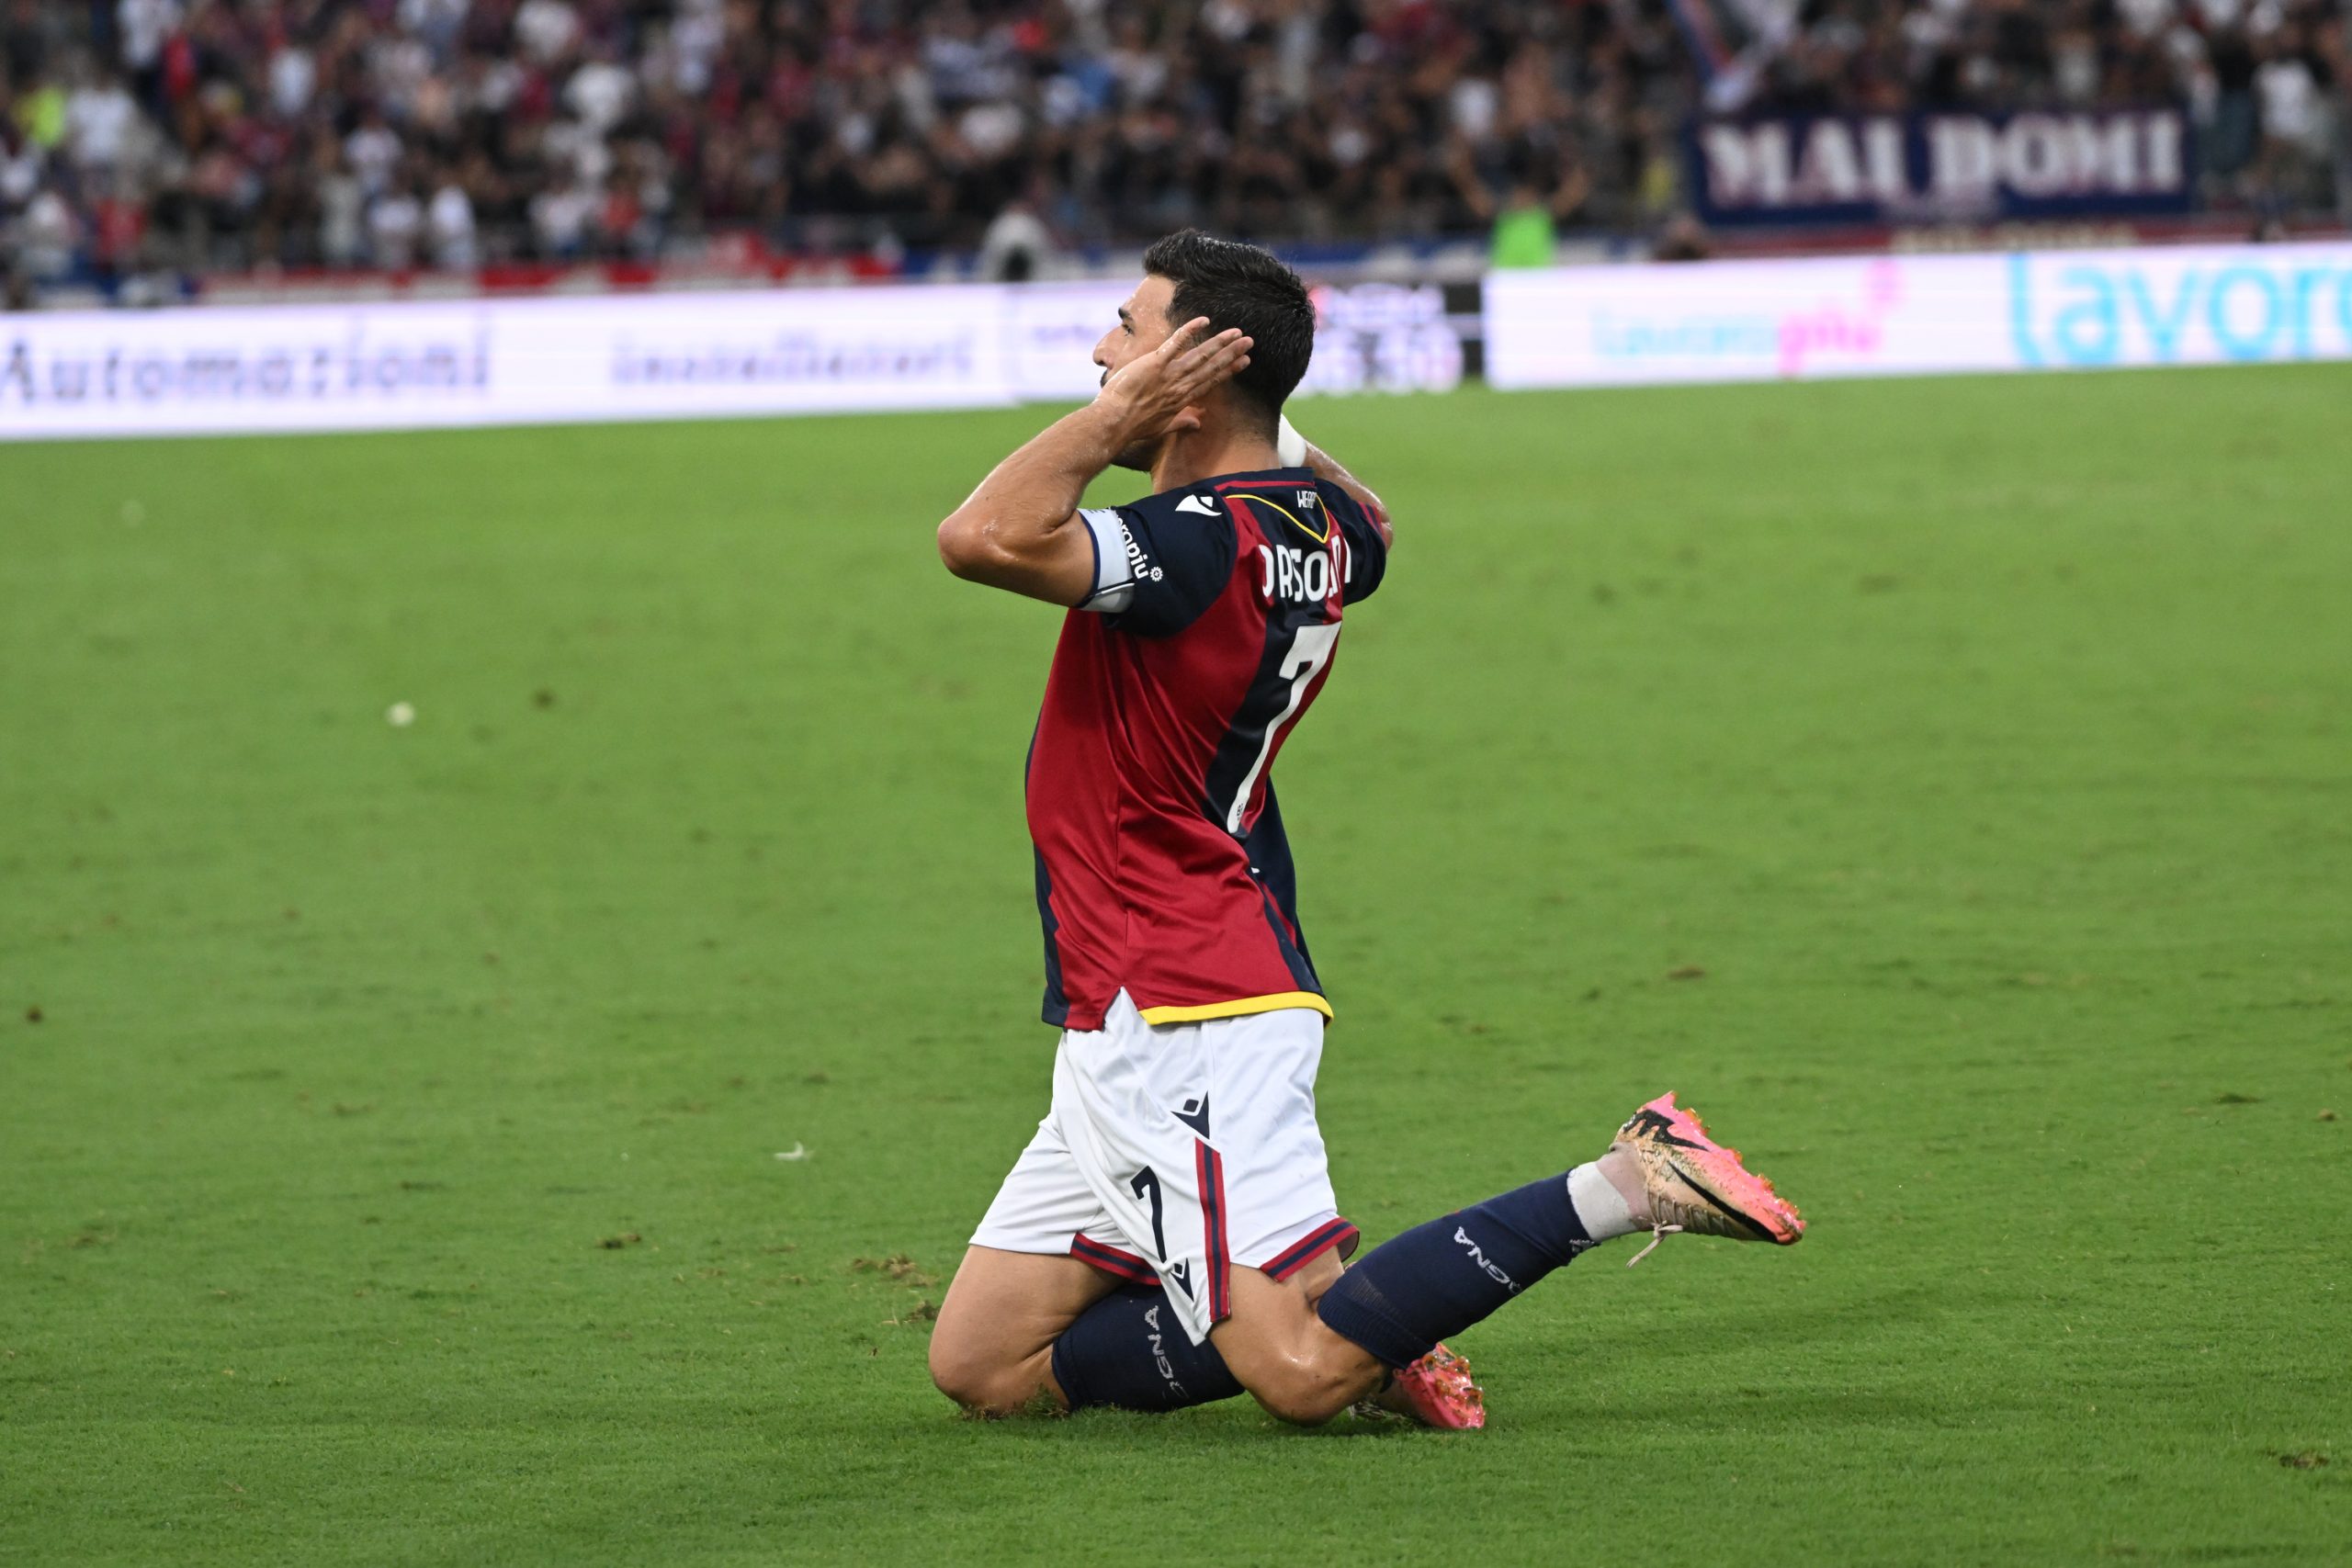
1169 1236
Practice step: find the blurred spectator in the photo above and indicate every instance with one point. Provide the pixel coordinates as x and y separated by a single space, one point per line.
371 151
449 219
546 30
307 133
342 207
21 160
1525 232
1016 245
146 27
49 237
395 220
2295 131
1682 238
101 122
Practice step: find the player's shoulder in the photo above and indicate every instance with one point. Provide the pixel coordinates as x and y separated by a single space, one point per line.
1184 528
1202 524
1275 499
1199 502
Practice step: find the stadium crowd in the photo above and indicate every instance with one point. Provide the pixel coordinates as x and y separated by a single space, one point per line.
204 134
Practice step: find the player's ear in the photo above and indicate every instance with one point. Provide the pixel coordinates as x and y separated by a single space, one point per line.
1186 418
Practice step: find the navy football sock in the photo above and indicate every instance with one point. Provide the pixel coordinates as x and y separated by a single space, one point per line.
1130 1350
1438 1278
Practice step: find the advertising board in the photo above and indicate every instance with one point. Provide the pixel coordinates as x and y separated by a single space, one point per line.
415 364
412 366
1898 315
1383 337
1369 337
1052 329
2195 305
398 365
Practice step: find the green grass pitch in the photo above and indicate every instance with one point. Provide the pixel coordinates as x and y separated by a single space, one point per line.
1947 786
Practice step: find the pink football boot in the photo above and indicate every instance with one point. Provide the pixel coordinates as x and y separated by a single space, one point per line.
1695 1185
1435 1390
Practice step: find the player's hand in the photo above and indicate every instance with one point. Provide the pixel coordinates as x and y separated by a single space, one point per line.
1153 395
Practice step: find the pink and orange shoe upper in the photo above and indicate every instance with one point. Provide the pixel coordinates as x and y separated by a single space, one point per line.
1440 1392
1699 1185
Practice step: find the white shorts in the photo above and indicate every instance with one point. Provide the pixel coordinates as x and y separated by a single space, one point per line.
1175 1151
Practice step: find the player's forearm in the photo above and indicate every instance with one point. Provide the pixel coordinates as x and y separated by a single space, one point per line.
1019 530
1026 498
1326 467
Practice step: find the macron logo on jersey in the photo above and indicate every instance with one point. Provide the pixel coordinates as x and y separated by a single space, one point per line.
1199 503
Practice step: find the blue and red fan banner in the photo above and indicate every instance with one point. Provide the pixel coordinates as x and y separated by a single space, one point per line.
1732 42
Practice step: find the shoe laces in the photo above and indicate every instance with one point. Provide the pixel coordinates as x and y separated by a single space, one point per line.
1658 1233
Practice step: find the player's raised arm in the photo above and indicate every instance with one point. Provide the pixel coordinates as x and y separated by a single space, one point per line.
1326 467
1020 530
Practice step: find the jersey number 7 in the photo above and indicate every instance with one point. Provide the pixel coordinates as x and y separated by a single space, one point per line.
1310 650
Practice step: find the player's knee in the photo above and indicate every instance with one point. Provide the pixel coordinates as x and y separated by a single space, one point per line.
955 1373
1301 1392
967 1383
980 1384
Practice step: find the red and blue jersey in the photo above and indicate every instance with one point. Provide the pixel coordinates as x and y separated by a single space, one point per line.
1161 864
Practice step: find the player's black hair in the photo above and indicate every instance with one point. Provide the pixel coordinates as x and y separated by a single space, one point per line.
1235 285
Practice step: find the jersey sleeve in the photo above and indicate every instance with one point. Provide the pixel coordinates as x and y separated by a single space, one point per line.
1157 566
1368 554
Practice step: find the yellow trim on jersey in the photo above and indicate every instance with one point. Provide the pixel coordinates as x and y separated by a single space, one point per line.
1237 1007
1322 538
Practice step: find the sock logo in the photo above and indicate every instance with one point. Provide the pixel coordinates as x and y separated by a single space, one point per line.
1159 1353
1462 1238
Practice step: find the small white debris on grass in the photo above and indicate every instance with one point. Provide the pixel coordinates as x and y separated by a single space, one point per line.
400 715
797 1151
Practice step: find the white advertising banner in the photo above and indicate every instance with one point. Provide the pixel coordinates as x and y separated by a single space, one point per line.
394 366
2195 305
1051 330
420 364
1901 315
1382 338
377 366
